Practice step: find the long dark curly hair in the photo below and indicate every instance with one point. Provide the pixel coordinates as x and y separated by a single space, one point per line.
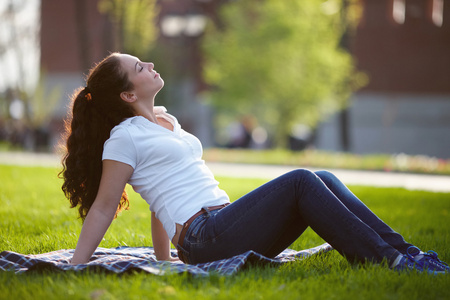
96 109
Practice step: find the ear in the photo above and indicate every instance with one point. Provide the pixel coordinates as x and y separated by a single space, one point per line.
128 97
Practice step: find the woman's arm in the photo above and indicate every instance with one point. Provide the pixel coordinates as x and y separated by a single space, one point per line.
114 177
160 239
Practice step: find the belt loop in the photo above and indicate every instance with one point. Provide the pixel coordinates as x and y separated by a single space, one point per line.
182 254
207 211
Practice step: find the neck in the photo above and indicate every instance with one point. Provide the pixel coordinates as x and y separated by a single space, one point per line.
150 116
146 112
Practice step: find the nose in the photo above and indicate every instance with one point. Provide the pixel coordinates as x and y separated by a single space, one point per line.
150 66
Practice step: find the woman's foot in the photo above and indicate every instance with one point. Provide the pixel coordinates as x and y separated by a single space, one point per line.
414 259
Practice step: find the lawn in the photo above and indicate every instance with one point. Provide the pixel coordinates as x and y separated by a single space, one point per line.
35 218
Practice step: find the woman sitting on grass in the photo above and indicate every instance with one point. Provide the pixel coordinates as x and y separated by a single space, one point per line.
115 135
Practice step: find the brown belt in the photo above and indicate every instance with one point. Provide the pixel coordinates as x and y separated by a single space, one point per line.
188 223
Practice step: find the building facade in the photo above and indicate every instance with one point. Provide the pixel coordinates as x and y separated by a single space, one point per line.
403 46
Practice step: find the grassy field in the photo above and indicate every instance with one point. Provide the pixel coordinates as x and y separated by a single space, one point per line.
35 218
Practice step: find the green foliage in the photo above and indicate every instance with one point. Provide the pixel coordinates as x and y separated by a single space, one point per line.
35 218
135 24
279 60
43 103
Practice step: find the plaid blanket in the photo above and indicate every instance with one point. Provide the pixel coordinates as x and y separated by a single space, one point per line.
123 259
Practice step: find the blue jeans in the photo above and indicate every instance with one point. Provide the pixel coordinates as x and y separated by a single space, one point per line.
270 218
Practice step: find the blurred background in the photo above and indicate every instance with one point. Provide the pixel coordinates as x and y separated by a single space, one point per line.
356 76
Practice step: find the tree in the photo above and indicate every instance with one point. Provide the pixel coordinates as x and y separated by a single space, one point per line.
351 11
135 29
279 60
25 107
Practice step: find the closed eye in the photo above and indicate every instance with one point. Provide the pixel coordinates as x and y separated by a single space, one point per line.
138 64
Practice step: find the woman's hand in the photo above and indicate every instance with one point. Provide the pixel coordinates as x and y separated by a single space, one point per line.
171 259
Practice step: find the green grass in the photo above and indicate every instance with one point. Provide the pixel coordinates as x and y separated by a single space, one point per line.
35 218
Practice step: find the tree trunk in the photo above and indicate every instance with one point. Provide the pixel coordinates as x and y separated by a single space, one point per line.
83 35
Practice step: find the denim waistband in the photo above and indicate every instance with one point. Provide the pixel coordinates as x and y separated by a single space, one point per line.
193 228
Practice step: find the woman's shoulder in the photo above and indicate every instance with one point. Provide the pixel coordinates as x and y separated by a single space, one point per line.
125 128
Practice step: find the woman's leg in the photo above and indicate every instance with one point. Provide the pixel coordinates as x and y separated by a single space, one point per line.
270 218
363 212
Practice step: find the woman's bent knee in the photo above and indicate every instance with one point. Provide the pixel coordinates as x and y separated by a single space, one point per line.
326 176
302 175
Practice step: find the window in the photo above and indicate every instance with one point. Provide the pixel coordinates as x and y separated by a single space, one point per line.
437 12
398 11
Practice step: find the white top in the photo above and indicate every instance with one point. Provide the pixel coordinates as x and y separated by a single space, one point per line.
169 172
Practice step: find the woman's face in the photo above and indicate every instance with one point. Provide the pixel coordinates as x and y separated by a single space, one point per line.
146 81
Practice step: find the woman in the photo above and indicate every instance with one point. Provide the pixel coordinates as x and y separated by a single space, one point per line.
116 136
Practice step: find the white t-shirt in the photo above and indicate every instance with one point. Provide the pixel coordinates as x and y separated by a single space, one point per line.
169 172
